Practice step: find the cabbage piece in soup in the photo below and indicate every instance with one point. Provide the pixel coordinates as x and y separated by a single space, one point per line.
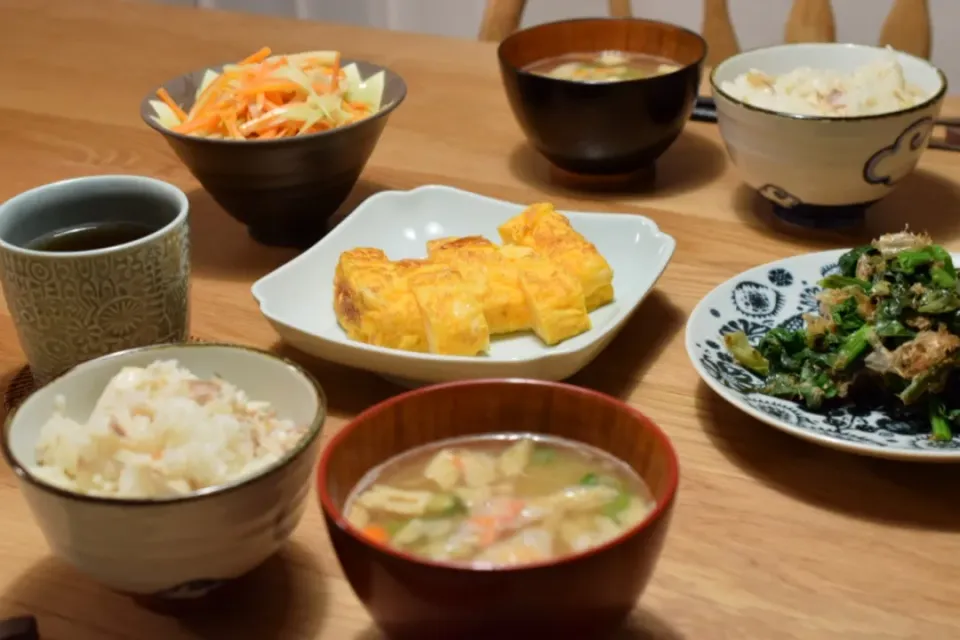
498 500
603 66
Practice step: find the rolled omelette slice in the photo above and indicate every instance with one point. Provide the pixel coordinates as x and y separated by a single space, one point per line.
550 234
373 302
493 280
452 316
361 271
555 297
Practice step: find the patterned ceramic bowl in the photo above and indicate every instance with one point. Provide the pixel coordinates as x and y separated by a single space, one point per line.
176 547
816 170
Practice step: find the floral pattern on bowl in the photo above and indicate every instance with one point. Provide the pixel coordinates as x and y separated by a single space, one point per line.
777 295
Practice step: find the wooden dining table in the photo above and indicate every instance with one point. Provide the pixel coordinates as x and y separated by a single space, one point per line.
772 537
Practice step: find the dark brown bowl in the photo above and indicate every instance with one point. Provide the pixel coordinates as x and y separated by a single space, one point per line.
612 128
284 190
580 596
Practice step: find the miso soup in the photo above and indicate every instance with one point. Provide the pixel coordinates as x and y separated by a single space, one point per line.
603 66
498 500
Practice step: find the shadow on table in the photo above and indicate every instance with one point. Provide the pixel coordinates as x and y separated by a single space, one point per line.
279 599
614 372
642 625
639 344
349 391
926 201
691 162
904 493
222 248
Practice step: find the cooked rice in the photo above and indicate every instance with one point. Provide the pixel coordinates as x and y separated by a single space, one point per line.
878 87
162 431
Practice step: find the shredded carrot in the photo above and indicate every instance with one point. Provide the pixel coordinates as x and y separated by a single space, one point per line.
335 74
259 56
266 96
267 120
198 124
271 86
230 122
376 533
167 100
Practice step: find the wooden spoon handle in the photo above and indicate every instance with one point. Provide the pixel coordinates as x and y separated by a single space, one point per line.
501 18
907 27
620 8
811 21
717 30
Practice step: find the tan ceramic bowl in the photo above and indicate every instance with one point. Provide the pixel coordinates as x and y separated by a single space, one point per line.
184 546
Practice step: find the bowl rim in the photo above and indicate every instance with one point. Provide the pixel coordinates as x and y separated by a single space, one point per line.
339 519
85 186
660 23
313 432
937 96
146 110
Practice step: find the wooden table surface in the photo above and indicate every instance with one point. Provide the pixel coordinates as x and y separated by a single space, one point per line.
772 537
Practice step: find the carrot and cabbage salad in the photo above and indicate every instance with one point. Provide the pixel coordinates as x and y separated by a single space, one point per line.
267 96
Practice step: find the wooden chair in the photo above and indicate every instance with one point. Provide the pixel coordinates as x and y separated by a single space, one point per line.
907 27
502 17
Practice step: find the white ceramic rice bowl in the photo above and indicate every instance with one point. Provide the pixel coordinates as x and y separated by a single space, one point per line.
796 160
176 547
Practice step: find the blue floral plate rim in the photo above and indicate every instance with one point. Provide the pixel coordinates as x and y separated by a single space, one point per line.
777 294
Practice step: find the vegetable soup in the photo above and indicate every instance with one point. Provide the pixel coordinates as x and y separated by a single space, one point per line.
603 66
498 500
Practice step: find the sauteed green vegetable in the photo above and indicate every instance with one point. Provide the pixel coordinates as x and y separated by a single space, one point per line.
889 324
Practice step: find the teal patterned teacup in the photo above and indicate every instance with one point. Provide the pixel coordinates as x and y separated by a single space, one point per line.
74 305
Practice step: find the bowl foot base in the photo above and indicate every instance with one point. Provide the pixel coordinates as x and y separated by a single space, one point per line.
815 216
285 237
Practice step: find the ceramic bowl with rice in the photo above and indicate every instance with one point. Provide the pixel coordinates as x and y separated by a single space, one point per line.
168 470
824 130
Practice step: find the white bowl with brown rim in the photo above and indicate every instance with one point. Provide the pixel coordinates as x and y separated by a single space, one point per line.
182 546
825 170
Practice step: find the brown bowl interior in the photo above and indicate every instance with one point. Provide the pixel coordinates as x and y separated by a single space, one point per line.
473 408
602 34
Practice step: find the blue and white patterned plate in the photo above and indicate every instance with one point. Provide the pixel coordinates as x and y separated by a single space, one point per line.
777 295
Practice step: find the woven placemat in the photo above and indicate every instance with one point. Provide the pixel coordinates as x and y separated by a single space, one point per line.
22 385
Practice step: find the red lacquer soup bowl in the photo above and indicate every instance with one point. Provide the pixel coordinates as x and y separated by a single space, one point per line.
575 596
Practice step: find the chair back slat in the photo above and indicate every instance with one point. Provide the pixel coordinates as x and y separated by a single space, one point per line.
717 30
907 27
502 17
810 21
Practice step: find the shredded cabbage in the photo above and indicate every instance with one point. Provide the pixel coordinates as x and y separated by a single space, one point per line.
270 96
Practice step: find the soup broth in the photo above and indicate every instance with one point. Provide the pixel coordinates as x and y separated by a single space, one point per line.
499 500
603 66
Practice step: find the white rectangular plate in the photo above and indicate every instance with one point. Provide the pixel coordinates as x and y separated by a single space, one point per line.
297 298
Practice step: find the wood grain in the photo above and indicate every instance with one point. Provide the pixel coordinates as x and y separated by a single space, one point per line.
810 21
500 19
503 17
908 28
717 30
772 538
